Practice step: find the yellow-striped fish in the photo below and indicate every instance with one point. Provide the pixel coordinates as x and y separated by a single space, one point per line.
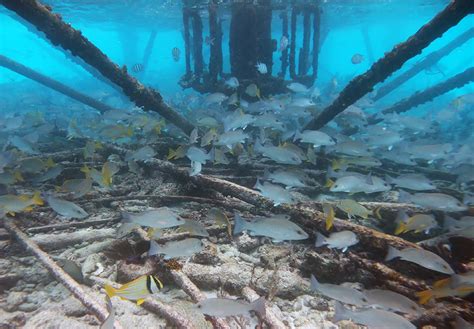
330 214
136 290
12 204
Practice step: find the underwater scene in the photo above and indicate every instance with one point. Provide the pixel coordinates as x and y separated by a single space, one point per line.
237 164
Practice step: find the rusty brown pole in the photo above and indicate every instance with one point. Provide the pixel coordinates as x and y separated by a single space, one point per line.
62 34
392 61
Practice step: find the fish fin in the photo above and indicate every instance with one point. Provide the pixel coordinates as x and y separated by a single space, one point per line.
18 177
345 249
37 199
129 132
11 213
28 209
336 164
401 228
50 163
320 240
392 253
389 180
154 248
441 283
329 183
110 291
258 93
239 224
259 306
404 196
424 296
297 136
140 301
340 313
369 179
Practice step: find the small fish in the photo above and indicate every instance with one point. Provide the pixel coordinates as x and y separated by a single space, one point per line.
290 178
176 53
416 182
66 208
457 280
220 157
109 169
179 153
302 102
317 138
443 291
194 136
12 204
117 131
372 318
31 166
175 249
452 224
197 154
357 59
208 122
196 168
215 98
222 307
283 43
339 292
237 120
435 201
193 228
417 223
261 68
220 218
10 178
90 149
231 138
357 161
297 87
136 290
392 301
252 90
209 41
421 257
138 67
134 168
71 268
7 159
339 240
353 208
279 228
356 184
160 218
49 174
353 148
23 145
276 193
330 215
232 83
278 154
78 187
142 154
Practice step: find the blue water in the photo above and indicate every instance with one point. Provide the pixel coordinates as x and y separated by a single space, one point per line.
121 30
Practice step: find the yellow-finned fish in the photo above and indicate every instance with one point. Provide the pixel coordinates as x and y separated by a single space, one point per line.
353 208
416 223
179 153
116 131
12 204
90 148
220 219
329 212
443 291
108 170
136 290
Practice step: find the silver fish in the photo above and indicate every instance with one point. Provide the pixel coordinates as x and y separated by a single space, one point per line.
421 257
436 201
373 319
278 154
222 307
317 138
356 184
231 138
66 208
175 249
198 155
237 120
159 218
392 301
51 173
339 240
297 87
416 182
279 228
142 154
194 228
290 178
338 292
276 193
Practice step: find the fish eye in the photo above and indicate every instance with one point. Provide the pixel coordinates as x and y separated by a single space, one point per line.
336 185
299 232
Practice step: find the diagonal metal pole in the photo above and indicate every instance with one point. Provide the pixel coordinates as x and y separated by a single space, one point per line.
64 35
392 61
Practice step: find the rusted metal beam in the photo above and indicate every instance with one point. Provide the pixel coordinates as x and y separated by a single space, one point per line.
392 61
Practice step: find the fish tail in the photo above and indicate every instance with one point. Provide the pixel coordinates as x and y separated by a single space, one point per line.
37 199
401 228
340 313
320 240
314 283
171 154
376 213
424 296
129 131
329 183
392 253
259 306
336 164
154 248
110 291
330 219
18 177
239 224
126 217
